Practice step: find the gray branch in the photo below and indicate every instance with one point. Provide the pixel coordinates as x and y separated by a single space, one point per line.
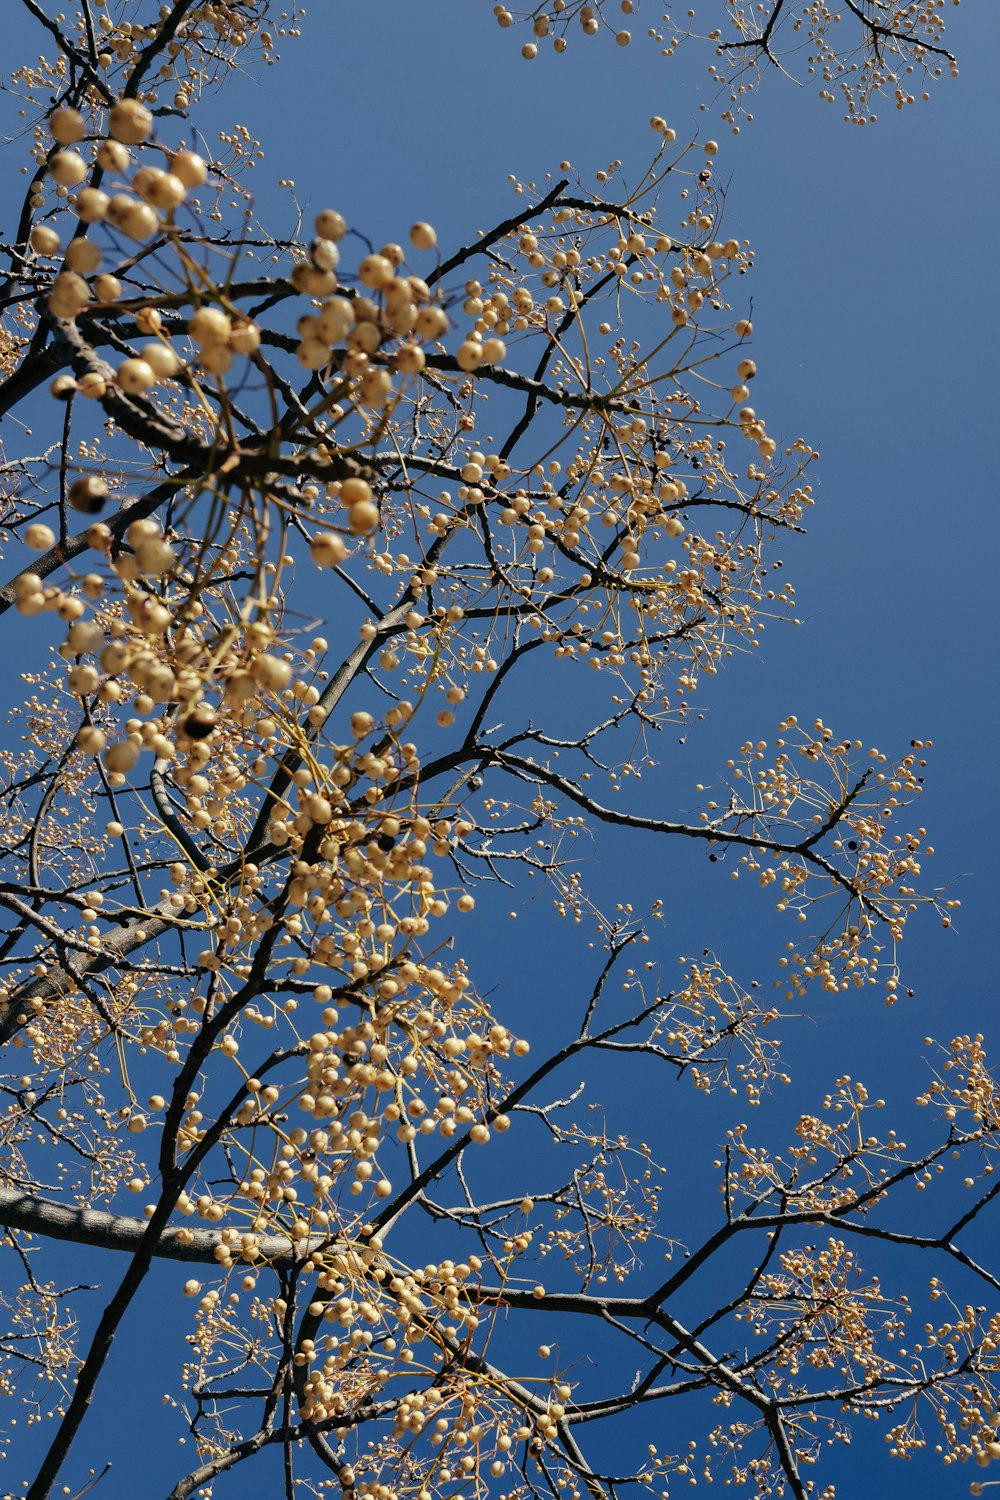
107 1231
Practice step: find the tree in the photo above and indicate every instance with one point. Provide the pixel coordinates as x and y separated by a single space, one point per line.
519 487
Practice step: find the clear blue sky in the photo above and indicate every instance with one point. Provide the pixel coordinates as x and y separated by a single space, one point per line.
875 308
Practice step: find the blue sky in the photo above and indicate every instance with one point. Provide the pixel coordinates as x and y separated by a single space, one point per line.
875 315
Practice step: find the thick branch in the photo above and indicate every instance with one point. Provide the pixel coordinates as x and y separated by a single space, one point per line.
107 1231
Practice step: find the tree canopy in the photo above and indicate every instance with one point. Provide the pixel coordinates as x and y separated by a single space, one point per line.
365 580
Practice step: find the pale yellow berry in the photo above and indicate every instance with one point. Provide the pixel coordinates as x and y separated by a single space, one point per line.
313 354
245 338
324 254
112 156
67 126
335 320
62 387
44 241
327 549
363 518
469 355
133 217
27 583
376 388
130 121
98 536
271 672
91 205
164 190
90 740
67 168
69 295
107 288
409 359
423 236
189 168
135 376
216 358
330 225
210 325
83 679
83 256
161 359
121 756
93 386
354 491
375 271
85 636
312 281
431 322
